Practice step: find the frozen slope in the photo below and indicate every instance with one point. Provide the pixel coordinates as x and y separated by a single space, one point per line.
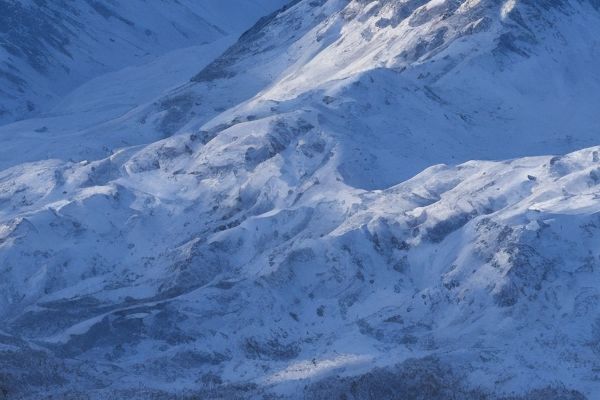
309 225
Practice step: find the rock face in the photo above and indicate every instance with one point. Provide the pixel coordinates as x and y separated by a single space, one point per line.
301 218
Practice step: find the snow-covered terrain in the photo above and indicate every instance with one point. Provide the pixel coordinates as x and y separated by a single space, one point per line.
50 47
301 216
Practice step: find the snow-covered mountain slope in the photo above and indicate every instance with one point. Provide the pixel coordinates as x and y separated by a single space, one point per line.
294 232
48 48
91 121
526 66
424 82
249 277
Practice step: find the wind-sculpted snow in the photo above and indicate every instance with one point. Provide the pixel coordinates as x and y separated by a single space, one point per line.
301 219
